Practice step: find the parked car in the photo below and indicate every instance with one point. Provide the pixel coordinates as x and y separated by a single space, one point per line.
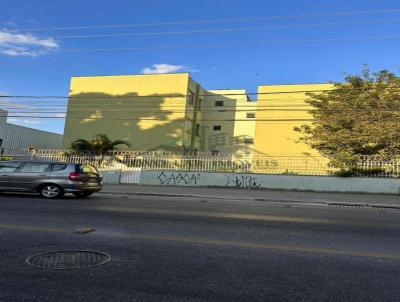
49 179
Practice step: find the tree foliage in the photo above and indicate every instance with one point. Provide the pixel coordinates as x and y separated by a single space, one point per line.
100 144
358 117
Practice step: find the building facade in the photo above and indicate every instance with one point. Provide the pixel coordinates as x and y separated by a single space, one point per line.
228 124
280 108
148 111
169 112
172 112
14 137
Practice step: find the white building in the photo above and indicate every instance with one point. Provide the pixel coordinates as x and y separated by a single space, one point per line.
14 137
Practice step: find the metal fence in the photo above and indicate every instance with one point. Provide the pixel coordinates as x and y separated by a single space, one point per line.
166 161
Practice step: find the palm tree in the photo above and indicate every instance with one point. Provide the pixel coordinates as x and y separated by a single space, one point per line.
100 144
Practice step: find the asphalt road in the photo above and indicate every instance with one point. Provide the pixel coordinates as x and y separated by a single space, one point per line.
192 249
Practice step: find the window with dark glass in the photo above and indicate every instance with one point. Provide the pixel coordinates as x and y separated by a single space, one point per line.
217 128
219 103
190 100
58 167
250 115
197 130
214 152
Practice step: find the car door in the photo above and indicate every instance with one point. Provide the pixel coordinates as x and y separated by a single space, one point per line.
6 170
28 175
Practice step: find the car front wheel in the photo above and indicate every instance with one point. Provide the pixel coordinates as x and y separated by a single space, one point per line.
51 191
83 194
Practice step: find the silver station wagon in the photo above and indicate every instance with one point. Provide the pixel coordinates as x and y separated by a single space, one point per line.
49 179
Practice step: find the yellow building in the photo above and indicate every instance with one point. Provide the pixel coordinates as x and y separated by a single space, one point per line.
229 122
171 112
148 111
279 109
168 112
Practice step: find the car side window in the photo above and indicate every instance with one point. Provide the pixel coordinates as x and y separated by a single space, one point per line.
8 167
58 167
35 168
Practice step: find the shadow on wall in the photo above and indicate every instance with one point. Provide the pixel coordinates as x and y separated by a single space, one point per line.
218 123
154 122
226 127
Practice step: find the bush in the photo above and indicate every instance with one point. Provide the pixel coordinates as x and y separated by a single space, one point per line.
2 158
345 173
359 172
369 171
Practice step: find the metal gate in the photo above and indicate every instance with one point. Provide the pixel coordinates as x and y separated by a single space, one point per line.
130 176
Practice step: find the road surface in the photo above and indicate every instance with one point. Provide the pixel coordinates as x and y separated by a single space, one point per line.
199 249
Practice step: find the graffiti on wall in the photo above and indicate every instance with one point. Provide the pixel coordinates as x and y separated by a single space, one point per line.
178 178
242 181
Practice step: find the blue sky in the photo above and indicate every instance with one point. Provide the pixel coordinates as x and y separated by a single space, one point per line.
38 63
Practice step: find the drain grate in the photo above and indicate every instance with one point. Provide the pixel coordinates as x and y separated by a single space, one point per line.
68 259
363 205
347 204
384 207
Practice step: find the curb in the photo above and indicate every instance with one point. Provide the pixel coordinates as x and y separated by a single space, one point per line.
215 197
170 195
326 203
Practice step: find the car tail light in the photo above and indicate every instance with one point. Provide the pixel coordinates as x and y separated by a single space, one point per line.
74 176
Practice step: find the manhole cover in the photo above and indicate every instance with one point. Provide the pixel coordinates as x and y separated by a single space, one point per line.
68 259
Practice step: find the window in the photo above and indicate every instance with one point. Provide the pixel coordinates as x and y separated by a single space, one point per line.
188 126
217 128
35 168
248 140
199 105
197 130
190 100
214 152
250 115
219 103
58 167
8 167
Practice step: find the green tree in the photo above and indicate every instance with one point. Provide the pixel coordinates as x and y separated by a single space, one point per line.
100 144
358 117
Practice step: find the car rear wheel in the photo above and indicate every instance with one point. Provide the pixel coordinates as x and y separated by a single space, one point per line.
83 194
51 191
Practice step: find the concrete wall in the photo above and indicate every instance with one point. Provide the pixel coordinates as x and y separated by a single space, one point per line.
262 181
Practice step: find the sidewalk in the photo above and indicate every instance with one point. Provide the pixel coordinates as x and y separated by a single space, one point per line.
254 195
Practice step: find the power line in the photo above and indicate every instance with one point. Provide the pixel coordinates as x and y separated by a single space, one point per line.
225 29
217 111
187 46
187 95
291 121
48 102
290 107
164 108
366 12
17 105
